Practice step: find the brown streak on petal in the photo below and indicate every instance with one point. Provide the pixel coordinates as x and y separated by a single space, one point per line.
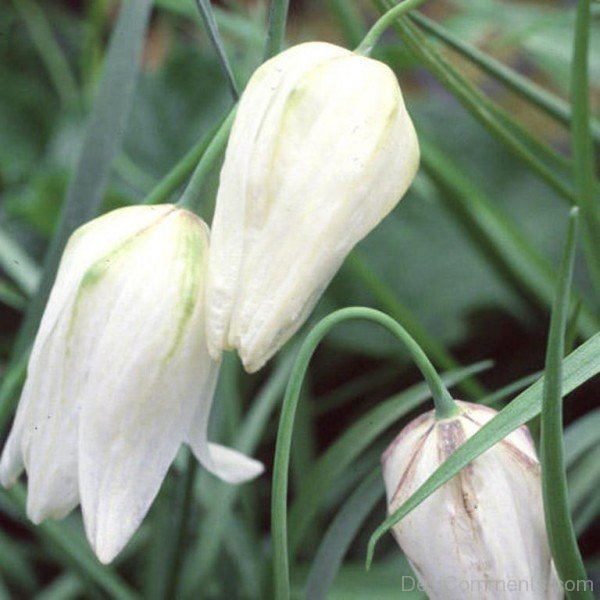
411 465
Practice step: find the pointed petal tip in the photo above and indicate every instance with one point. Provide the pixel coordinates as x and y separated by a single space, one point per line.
233 466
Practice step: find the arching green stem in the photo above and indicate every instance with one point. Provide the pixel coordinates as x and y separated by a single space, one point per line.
385 21
444 404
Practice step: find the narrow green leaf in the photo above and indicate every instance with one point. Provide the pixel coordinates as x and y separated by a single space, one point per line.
583 149
65 587
215 37
578 367
561 535
552 105
101 144
340 533
277 22
73 550
11 296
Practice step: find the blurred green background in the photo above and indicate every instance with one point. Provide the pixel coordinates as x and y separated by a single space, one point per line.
425 264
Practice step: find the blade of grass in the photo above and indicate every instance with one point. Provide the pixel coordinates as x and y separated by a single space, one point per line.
215 37
73 550
64 587
578 367
493 233
481 107
276 33
561 536
340 533
583 149
549 103
103 136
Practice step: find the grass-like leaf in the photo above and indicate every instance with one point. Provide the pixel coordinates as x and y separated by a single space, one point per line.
549 103
561 536
578 367
73 550
215 37
581 436
340 534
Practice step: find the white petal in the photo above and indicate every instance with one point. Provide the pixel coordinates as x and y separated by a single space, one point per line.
44 435
233 466
140 331
238 182
226 463
283 224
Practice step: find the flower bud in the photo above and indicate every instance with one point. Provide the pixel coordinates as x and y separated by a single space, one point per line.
482 534
321 150
119 375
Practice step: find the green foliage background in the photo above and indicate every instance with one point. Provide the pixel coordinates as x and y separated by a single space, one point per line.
467 262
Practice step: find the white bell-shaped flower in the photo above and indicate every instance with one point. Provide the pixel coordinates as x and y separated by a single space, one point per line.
119 375
322 148
482 534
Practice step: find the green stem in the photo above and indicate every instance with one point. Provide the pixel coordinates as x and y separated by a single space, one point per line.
191 196
385 21
583 149
561 534
277 22
444 404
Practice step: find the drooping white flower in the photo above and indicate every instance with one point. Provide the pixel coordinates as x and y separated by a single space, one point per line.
321 150
482 534
119 375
